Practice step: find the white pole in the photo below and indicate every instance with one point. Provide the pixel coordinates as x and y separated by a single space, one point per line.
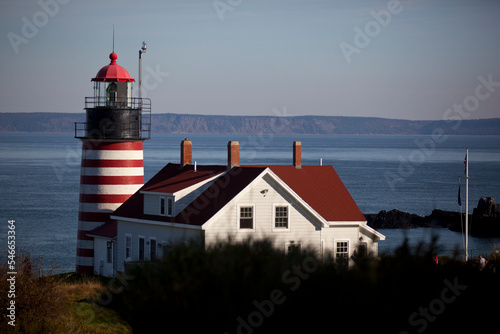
467 205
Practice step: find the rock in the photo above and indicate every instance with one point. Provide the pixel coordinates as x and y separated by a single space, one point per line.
484 222
395 219
486 218
485 207
448 219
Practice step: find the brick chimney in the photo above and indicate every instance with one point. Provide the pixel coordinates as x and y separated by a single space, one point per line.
186 152
233 154
297 154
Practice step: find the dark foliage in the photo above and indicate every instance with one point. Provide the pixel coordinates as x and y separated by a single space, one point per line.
34 301
254 288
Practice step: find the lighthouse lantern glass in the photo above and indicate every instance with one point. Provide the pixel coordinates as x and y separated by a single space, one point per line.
129 94
108 93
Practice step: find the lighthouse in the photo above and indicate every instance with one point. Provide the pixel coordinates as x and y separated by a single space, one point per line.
112 154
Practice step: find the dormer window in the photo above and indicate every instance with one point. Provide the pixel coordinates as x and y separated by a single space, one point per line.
166 206
170 206
162 206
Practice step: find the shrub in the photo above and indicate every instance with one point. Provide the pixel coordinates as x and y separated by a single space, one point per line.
55 303
253 288
37 302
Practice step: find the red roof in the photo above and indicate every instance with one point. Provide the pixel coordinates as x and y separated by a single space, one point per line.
173 178
108 230
319 186
322 189
113 71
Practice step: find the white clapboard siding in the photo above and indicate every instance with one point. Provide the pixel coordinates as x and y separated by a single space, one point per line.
303 228
164 235
151 204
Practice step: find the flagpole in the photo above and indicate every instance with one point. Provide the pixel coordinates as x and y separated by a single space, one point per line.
466 205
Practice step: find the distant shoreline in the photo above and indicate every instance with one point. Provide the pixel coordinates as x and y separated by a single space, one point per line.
40 122
288 134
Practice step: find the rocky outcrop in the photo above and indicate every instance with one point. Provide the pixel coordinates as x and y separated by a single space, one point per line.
395 219
486 218
486 207
484 222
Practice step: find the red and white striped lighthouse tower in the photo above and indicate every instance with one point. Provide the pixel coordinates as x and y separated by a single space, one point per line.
112 153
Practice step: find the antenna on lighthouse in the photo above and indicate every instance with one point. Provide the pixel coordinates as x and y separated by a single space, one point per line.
143 49
113 38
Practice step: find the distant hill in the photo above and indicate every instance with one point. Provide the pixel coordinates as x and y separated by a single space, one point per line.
220 124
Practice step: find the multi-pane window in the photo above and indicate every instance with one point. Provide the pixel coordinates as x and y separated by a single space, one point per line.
246 217
281 217
342 251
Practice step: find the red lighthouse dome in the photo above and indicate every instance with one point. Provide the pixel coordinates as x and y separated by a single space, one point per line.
113 71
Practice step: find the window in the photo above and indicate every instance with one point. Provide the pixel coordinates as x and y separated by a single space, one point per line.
141 248
342 252
281 217
152 249
170 207
166 206
128 247
162 206
111 94
246 217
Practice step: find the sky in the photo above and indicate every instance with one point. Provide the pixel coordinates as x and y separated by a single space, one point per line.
408 59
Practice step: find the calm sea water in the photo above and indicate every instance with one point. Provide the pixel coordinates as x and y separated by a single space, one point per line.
39 179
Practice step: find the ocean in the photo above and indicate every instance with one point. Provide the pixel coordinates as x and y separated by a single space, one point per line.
40 175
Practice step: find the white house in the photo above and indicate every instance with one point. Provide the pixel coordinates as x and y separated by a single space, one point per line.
292 205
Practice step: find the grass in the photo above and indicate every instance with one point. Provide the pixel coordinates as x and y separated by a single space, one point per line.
82 312
62 303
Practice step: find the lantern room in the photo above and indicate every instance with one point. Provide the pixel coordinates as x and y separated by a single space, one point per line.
112 113
113 85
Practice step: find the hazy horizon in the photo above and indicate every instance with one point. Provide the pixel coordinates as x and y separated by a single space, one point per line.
271 115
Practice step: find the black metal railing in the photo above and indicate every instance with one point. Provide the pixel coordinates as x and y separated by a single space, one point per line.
120 103
127 128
